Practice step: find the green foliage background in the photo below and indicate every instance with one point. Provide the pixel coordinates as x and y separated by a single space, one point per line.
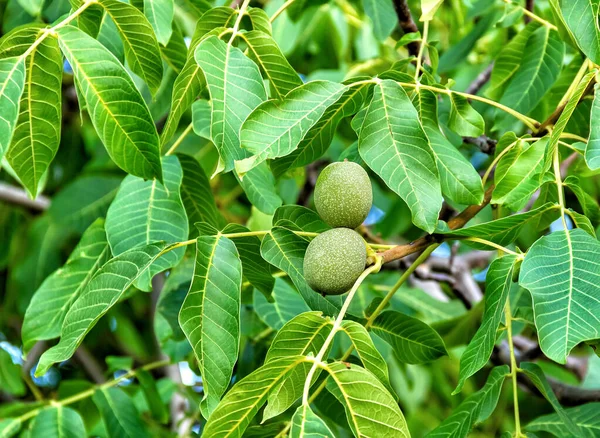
158 159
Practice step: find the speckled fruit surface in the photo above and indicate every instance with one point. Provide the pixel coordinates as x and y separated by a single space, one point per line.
334 260
343 194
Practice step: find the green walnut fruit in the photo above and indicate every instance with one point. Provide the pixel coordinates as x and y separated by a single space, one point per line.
343 194
334 260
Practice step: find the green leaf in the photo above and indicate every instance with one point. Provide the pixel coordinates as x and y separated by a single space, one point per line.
537 377
242 402
306 424
9 427
586 417
562 272
58 422
509 60
90 20
474 409
581 16
236 88
275 128
58 292
503 231
370 357
319 137
197 196
459 180
260 188
260 20
149 388
201 110
33 7
103 291
160 16
11 381
463 119
413 341
12 81
588 202
300 218
382 16
175 51
266 53
536 74
498 284
304 335
370 409
148 211
592 150
287 304
285 250
210 315
141 48
429 7
37 131
255 269
519 173
127 131
119 414
393 144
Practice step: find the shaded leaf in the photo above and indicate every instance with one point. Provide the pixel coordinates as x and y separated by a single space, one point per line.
302 218
586 417
119 414
382 15
287 304
58 422
260 188
160 16
592 150
463 119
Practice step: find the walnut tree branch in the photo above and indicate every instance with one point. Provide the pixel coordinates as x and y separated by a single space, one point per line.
407 24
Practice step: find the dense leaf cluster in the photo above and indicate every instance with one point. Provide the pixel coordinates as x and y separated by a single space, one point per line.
167 152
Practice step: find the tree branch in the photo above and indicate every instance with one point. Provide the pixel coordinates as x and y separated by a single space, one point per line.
480 80
16 195
407 24
483 142
529 6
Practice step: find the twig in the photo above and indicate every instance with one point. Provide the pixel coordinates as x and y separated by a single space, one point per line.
16 195
407 24
529 4
480 80
483 142
89 363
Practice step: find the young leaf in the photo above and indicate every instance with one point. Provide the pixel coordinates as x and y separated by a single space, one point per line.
260 188
197 196
382 15
519 174
463 119
255 269
160 16
148 211
102 292
37 131
498 284
287 304
127 131
536 74
413 341
305 423
12 81
537 377
242 402
592 150
141 48
586 418
370 357
581 16
474 409
285 250
56 422
266 53
459 180
562 272
210 315
235 87
119 414
319 137
370 409
275 128
392 143
50 303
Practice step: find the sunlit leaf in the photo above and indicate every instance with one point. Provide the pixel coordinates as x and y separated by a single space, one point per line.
586 417
592 150
160 16
260 188
57 422
306 424
463 119
382 16
12 81
300 218
581 16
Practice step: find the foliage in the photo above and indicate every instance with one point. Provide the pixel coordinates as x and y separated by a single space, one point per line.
159 160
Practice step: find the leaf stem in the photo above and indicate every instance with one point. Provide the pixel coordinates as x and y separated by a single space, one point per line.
500 155
513 367
573 137
89 392
420 55
279 11
180 139
559 187
336 326
494 245
236 25
532 15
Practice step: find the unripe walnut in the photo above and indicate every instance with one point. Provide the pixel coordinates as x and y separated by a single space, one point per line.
334 260
343 194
